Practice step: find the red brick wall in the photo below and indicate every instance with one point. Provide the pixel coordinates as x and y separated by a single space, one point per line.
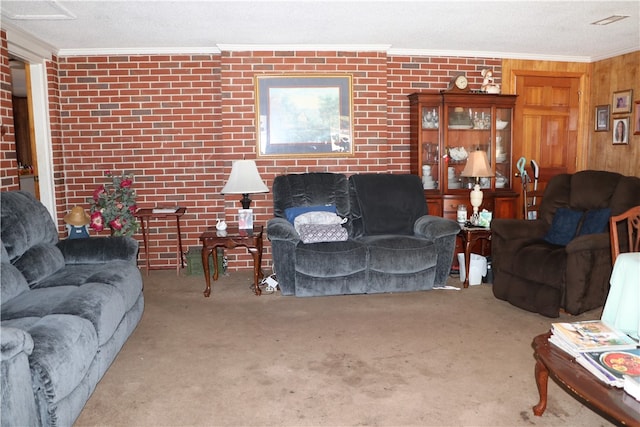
178 122
157 117
8 158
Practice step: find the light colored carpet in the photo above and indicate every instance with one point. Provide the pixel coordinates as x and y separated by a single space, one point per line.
435 358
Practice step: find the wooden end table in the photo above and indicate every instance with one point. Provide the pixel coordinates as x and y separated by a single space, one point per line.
232 237
570 375
469 236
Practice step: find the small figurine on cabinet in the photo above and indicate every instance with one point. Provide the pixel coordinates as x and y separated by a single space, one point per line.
77 222
488 84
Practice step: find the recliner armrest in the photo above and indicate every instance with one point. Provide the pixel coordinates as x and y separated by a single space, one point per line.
18 405
98 250
14 341
435 227
589 242
509 228
281 229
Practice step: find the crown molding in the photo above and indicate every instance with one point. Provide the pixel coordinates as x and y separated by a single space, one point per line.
487 54
135 51
305 47
25 46
617 53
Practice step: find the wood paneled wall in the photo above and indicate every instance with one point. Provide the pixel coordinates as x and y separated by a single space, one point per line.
608 76
600 80
512 68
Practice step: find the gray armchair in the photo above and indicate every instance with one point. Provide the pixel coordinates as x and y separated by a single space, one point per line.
392 244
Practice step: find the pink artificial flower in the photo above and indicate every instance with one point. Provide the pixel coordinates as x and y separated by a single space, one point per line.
97 221
98 192
133 209
126 183
115 224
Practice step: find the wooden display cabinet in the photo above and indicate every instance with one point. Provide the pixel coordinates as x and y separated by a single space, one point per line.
446 126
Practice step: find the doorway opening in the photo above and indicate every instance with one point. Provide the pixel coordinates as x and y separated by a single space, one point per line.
23 126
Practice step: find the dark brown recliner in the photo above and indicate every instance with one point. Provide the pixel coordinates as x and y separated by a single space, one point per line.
533 274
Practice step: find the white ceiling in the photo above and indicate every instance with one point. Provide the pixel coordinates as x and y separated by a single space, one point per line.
551 30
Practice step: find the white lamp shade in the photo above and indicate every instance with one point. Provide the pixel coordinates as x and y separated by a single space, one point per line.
477 165
244 179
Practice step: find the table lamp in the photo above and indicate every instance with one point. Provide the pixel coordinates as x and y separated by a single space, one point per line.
477 167
245 179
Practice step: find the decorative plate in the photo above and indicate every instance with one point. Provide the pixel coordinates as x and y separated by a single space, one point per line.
457 127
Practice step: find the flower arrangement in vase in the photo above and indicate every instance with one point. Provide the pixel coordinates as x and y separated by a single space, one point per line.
114 206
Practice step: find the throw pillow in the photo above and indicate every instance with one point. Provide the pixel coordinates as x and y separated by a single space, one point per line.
314 233
292 213
595 221
563 226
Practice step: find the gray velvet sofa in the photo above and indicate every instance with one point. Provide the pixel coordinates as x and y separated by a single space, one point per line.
392 244
67 307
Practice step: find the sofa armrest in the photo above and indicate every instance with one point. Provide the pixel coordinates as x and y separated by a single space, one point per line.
14 341
509 228
281 229
18 405
435 227
98 250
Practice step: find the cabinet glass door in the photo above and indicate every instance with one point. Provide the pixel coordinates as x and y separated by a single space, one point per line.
503 148
430 152
468 129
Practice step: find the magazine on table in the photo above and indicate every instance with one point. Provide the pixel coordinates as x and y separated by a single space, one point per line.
612 366
589 335
165 210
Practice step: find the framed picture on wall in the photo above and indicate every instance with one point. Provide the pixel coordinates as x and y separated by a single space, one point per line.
602 118
621 130
636 119
622 101
304 115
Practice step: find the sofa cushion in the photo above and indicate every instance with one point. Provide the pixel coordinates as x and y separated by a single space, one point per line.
101 304
35 303
400 254
626 196
310 189
293 212
25 222
121 275
595 221
592 189
563 226
331 259
385 203
12 282
39 261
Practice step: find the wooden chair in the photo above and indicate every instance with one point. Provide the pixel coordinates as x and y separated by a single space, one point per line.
632 218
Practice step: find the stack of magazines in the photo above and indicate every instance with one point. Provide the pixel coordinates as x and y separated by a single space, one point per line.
608 353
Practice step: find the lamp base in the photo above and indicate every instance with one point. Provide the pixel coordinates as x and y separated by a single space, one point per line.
476 201
245 201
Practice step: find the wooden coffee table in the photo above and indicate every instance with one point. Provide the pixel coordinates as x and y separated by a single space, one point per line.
610 402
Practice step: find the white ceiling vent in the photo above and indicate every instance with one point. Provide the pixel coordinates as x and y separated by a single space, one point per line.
610 20
35 10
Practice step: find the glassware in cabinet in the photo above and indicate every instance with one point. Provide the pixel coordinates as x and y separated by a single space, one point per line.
425 138
468 129
503 148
